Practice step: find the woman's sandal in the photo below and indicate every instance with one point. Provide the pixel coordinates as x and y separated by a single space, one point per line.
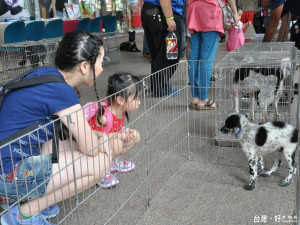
208 105
193 106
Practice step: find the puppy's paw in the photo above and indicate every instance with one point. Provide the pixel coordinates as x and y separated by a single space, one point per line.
250 186
264 174
251 118
285 183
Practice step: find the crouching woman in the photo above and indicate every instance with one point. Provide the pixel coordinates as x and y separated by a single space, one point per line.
27 173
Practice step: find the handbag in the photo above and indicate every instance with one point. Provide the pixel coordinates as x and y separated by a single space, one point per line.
228 19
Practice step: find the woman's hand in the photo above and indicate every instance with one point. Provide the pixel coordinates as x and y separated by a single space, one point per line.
104 145
236 19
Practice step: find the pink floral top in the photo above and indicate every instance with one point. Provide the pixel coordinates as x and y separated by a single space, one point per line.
204 16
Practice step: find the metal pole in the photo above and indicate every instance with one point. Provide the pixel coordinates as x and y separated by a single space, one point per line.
37 10
297 211
297 192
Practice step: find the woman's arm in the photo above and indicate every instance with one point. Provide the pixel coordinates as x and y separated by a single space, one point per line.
232 5
86 139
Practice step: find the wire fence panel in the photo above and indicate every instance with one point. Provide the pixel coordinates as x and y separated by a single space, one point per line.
111 43
18 58
172 136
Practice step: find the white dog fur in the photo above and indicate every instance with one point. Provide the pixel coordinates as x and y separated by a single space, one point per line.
260 140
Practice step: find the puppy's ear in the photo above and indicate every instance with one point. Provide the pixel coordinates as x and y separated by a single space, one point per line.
233 121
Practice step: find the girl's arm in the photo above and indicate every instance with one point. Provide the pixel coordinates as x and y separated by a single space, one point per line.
246 26
86 139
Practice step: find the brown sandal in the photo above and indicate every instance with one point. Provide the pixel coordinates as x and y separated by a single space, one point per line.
207 106
193 106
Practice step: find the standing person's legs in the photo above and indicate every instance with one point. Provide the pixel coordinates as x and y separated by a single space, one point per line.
155 32
183 44
146 51
209 46
188 49
193 66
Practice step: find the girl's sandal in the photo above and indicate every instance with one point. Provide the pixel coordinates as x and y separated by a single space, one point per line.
207 106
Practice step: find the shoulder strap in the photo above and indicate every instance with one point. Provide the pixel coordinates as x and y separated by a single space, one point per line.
21 132
55 141
17 83
107 113
221 4
47 78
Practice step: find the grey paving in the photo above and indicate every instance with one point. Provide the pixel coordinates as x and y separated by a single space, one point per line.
200 186
181 177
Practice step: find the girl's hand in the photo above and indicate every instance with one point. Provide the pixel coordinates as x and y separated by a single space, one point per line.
128 135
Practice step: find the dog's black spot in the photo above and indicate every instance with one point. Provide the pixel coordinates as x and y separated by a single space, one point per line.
293 158
261 136
251 170
251 165
242 73
278 124
294 138
279 163
233 121
280 149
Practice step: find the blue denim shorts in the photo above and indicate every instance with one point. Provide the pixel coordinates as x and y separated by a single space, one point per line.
28 180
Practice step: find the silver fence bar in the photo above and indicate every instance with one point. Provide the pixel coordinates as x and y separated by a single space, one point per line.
172 136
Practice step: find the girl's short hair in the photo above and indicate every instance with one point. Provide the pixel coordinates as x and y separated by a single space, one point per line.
123 84
238 8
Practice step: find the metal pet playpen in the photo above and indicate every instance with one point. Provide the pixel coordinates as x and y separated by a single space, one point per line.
186 172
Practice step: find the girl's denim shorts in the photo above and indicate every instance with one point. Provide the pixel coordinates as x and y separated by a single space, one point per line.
28 180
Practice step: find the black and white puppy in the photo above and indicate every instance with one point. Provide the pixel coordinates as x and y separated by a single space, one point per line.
265 82
260 140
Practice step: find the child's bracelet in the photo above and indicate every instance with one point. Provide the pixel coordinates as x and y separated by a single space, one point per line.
170 18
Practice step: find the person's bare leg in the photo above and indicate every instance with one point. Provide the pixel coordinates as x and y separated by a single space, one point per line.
283 29
273 24
88 171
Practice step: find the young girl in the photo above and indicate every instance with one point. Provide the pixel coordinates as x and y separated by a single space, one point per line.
108 117
236 37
